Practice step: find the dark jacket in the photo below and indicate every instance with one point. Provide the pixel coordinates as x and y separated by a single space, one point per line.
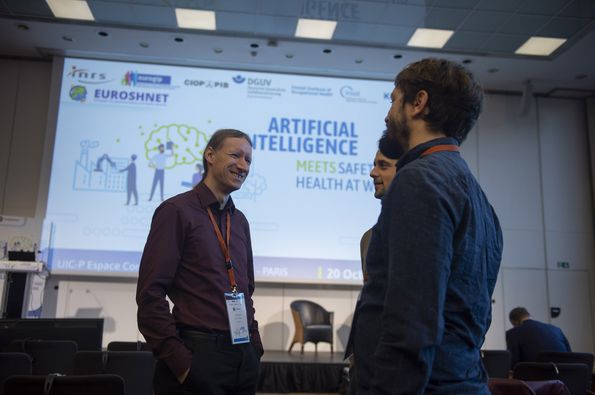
526 341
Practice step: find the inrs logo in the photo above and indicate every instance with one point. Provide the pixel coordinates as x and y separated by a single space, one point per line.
87 76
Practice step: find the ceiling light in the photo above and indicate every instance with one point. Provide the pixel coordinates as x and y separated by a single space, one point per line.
315 28
429 38
195 19
71 9
540 46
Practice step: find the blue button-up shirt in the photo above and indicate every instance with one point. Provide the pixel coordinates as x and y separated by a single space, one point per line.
433 262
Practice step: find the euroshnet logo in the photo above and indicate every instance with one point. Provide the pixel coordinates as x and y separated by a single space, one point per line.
238 79
78 93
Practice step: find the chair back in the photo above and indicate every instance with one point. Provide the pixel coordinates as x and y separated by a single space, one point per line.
567 357
52 384
135 367
128 346
496 363
500 386
49 356
13 364
311 313
575 376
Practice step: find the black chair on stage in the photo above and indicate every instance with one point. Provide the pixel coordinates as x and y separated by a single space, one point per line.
496 363
128 346
312 324
576 376
49 356
13 364
135 367
100 384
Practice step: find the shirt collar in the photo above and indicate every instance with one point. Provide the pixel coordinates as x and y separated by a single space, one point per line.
208 199
416 151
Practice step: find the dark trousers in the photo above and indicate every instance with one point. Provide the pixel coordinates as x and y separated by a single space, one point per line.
218 367
157 178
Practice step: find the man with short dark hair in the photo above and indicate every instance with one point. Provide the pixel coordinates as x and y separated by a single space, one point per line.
383 172
199 254
433 264
529 337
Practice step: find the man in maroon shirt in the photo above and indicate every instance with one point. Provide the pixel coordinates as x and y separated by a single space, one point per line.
199 254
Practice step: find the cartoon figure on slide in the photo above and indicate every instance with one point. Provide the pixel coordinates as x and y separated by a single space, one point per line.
158 161
196 177
131 180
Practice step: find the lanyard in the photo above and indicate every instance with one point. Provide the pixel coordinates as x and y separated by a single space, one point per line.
438 148
225 247
442 147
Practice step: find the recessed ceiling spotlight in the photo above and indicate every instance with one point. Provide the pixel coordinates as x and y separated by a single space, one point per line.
493 70
179 39
289 55
327 50
23 27
359 61
101 33
144 44
581 77
217 50
397 56
67 38
467 61
254 45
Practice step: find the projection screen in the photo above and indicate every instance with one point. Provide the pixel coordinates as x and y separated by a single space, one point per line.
308 197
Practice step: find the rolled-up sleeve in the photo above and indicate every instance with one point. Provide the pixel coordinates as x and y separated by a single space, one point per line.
158 267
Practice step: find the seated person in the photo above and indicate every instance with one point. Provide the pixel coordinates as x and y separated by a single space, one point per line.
529 337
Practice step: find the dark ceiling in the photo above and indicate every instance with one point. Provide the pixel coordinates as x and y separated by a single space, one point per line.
370 39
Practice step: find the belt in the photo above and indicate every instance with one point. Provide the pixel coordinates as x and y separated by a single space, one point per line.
222 338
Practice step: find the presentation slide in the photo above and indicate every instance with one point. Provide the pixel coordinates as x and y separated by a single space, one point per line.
308 197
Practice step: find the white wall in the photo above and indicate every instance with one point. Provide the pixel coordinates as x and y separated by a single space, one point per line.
534 169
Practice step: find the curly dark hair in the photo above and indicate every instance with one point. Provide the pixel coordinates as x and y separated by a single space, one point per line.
455 99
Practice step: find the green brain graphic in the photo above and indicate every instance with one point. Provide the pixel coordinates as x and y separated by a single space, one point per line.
188 143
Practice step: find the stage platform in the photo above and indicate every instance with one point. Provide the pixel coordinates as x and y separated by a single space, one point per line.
284 372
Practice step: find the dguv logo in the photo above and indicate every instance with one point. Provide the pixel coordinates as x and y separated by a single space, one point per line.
78 93
238 79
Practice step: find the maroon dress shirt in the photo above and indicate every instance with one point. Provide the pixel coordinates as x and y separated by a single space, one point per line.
183 260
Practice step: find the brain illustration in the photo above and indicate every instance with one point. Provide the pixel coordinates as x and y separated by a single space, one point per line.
188 143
